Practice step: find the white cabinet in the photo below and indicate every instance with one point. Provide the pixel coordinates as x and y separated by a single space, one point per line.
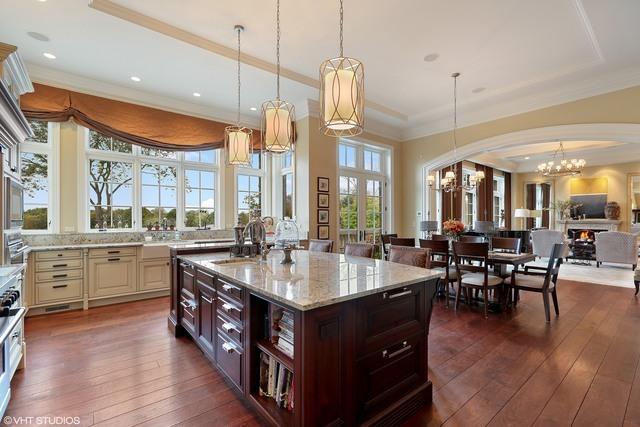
154 275
112 276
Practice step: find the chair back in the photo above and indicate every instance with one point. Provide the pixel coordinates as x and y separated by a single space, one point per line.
507 244
385 241
543 241
616 246
438 253
479 252
439 237
320 245
553 266
402 241
471 239
417 257
359 249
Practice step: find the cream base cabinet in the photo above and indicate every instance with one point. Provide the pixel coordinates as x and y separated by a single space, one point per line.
112 276
154 275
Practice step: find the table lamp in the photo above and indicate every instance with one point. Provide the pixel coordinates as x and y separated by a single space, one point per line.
522 213
428 226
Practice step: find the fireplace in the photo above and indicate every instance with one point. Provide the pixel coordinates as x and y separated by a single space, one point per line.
582 244
583 234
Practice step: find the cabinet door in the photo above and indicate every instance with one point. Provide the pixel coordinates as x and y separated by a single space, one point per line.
206 318
112 276
154 275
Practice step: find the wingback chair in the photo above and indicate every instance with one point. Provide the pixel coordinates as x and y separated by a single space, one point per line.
617 247
543 241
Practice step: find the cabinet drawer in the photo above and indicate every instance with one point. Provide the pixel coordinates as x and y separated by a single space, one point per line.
188 314
231 308
188 279
50 255
58 291
58 275
110 252
205 278
229 357
385 375
59 264
230 328
229 289
383 317
112 276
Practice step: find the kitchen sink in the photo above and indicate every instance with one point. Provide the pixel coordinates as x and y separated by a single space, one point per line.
234 261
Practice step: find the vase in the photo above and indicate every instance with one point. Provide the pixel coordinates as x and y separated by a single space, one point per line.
612 210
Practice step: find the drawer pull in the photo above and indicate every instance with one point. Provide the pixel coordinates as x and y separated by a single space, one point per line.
59 276
113 259
228 327
207 300
404 292
188 304
405 347
228 287
59 286
60 254
229 307
113 252
60 265
229 347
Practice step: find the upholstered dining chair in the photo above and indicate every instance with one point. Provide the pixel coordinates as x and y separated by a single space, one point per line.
441 260
474 276
359 249
385 242
320 245
539 279
471 239
505 244
417 257
544 240
403 241
439 237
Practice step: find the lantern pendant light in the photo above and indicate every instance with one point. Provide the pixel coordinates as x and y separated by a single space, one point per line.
237 139
342 93
277 115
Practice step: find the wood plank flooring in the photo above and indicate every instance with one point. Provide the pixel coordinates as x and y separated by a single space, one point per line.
119 366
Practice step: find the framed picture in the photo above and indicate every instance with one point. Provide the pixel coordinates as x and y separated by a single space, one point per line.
323 216
323 184
323 232
323 200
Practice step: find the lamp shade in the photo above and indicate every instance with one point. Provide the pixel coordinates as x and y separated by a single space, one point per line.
277 126
522 213
450 175
428 226
238 145
536 213
486 227
342 97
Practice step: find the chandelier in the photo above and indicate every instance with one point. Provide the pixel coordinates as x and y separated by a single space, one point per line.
341 93
237 139
277 115
563 167
449 182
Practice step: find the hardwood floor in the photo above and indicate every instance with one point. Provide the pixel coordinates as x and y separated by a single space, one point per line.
119 366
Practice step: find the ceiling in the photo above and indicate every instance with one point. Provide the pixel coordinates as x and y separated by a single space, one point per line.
522 54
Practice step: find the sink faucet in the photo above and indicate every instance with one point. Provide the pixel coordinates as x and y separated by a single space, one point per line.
257 232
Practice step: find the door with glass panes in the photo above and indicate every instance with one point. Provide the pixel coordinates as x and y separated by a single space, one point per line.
361 208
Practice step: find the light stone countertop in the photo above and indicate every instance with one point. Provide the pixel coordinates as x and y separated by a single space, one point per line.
171 243
85 246
316 279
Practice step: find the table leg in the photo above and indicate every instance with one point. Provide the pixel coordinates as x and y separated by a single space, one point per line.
637 282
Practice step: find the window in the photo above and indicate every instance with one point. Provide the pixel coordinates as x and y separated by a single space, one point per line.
98 141
207 156
199 198
110 194
347 156
287 195
158 194
348 209
372 161
152 152
286 160
468 201
498 200
249 196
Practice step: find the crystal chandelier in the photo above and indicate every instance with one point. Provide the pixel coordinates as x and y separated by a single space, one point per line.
277 115
237 139
341 93
563 167
449 182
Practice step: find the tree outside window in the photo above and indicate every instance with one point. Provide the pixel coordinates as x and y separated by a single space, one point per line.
35 178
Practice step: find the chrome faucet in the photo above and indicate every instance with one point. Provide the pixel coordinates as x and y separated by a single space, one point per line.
257 232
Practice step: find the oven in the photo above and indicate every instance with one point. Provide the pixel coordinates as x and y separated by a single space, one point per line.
15 251
13 204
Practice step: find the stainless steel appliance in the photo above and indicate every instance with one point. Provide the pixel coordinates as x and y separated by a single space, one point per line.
15 251
14 204
11 328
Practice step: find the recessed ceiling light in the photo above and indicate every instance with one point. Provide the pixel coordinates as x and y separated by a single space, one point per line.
253 109
49 55
478 90
42 1
136 78
527 158
431 57
196 94
38 36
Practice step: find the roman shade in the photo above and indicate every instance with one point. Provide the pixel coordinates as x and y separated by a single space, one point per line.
135 124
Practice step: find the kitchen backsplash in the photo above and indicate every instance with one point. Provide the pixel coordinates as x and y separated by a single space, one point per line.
121 237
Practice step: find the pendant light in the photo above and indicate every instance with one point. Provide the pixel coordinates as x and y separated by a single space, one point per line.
341 93
237 139
277 115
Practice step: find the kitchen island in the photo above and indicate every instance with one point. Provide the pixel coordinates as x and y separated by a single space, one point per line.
357 330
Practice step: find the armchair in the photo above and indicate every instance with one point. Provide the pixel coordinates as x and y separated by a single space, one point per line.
544 240
617 247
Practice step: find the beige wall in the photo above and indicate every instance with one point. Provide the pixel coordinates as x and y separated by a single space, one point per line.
615 107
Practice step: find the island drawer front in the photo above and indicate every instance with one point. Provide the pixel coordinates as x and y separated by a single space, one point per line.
229 358
230 328
188 277
231 308
59 264
188 314
58 291
102 252
232 290
385 375
51 255
58 275
205 278
383 317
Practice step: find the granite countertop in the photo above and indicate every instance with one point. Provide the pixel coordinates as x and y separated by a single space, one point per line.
316 279
171 243
8 271
85 246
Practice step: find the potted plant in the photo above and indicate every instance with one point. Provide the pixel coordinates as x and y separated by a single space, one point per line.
564 207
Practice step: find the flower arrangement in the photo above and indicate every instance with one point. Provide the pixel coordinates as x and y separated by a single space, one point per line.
453 228
564 207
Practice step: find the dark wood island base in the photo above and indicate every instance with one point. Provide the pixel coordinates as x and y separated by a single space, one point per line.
362 361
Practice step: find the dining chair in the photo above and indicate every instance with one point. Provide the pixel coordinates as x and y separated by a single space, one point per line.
441 260
385 242
471 239
416 257
505 244
474 276
439 237
320 245
539 279
403 241
359 249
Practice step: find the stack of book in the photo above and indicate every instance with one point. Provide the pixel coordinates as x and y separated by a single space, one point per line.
276 382
282 335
